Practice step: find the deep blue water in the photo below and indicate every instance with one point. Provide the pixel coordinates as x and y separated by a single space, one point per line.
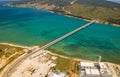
31 27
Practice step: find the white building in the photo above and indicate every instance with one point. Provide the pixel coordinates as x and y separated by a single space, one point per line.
90 69
57 74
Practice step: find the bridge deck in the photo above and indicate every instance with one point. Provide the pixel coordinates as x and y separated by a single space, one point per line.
7 74
66 35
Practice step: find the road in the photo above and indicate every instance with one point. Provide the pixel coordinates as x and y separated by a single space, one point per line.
7 74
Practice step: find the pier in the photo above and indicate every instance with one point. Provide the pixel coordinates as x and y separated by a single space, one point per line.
7 74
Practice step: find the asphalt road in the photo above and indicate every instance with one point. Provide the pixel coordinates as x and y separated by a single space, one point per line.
7 74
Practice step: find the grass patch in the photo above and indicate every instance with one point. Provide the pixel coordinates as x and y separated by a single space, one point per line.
8 51
63 64
67 65
1 53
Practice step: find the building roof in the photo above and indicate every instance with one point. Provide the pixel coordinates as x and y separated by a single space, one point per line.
59 75
87 71
87 64
55 75
92 71
95 71
102 65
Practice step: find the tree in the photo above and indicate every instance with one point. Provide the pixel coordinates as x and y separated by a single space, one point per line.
0 50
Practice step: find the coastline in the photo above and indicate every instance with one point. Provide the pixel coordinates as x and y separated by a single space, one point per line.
67 14
52 11
55 54
52 53
85 19
15 45
48 51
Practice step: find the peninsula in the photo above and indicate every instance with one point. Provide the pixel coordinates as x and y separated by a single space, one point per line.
92 52
101 11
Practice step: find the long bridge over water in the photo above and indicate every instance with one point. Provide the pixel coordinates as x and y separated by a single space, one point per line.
7 74
66 35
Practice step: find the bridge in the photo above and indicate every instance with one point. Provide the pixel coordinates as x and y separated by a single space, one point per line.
66 35
7 74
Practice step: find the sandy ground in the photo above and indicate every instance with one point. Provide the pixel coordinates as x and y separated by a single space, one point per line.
37 47
9 65
39 64
15 45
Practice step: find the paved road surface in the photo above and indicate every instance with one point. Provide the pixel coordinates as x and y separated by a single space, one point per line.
7 74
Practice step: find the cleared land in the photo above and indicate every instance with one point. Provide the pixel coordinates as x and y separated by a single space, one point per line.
8 54
42 62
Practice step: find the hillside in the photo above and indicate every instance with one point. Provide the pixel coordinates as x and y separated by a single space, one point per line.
101 10
97 13
102 3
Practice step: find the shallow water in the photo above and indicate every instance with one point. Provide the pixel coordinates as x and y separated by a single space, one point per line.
31 27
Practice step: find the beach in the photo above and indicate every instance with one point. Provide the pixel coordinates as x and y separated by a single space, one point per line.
42 59
15 45
31 27
37 47
51 53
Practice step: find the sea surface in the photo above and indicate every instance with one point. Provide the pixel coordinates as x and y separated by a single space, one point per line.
29 27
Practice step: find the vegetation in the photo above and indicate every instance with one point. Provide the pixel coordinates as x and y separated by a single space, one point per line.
103 3
101 10
67 65
63 64
8 50
1 52
99 3
56 2
98 13
10 53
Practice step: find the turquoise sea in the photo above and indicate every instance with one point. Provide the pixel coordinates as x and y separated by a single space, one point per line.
31 27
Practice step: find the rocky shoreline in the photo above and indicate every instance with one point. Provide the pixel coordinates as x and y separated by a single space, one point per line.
40 5
55 9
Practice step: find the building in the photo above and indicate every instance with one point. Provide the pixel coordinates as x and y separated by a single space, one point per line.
57 74
91 69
